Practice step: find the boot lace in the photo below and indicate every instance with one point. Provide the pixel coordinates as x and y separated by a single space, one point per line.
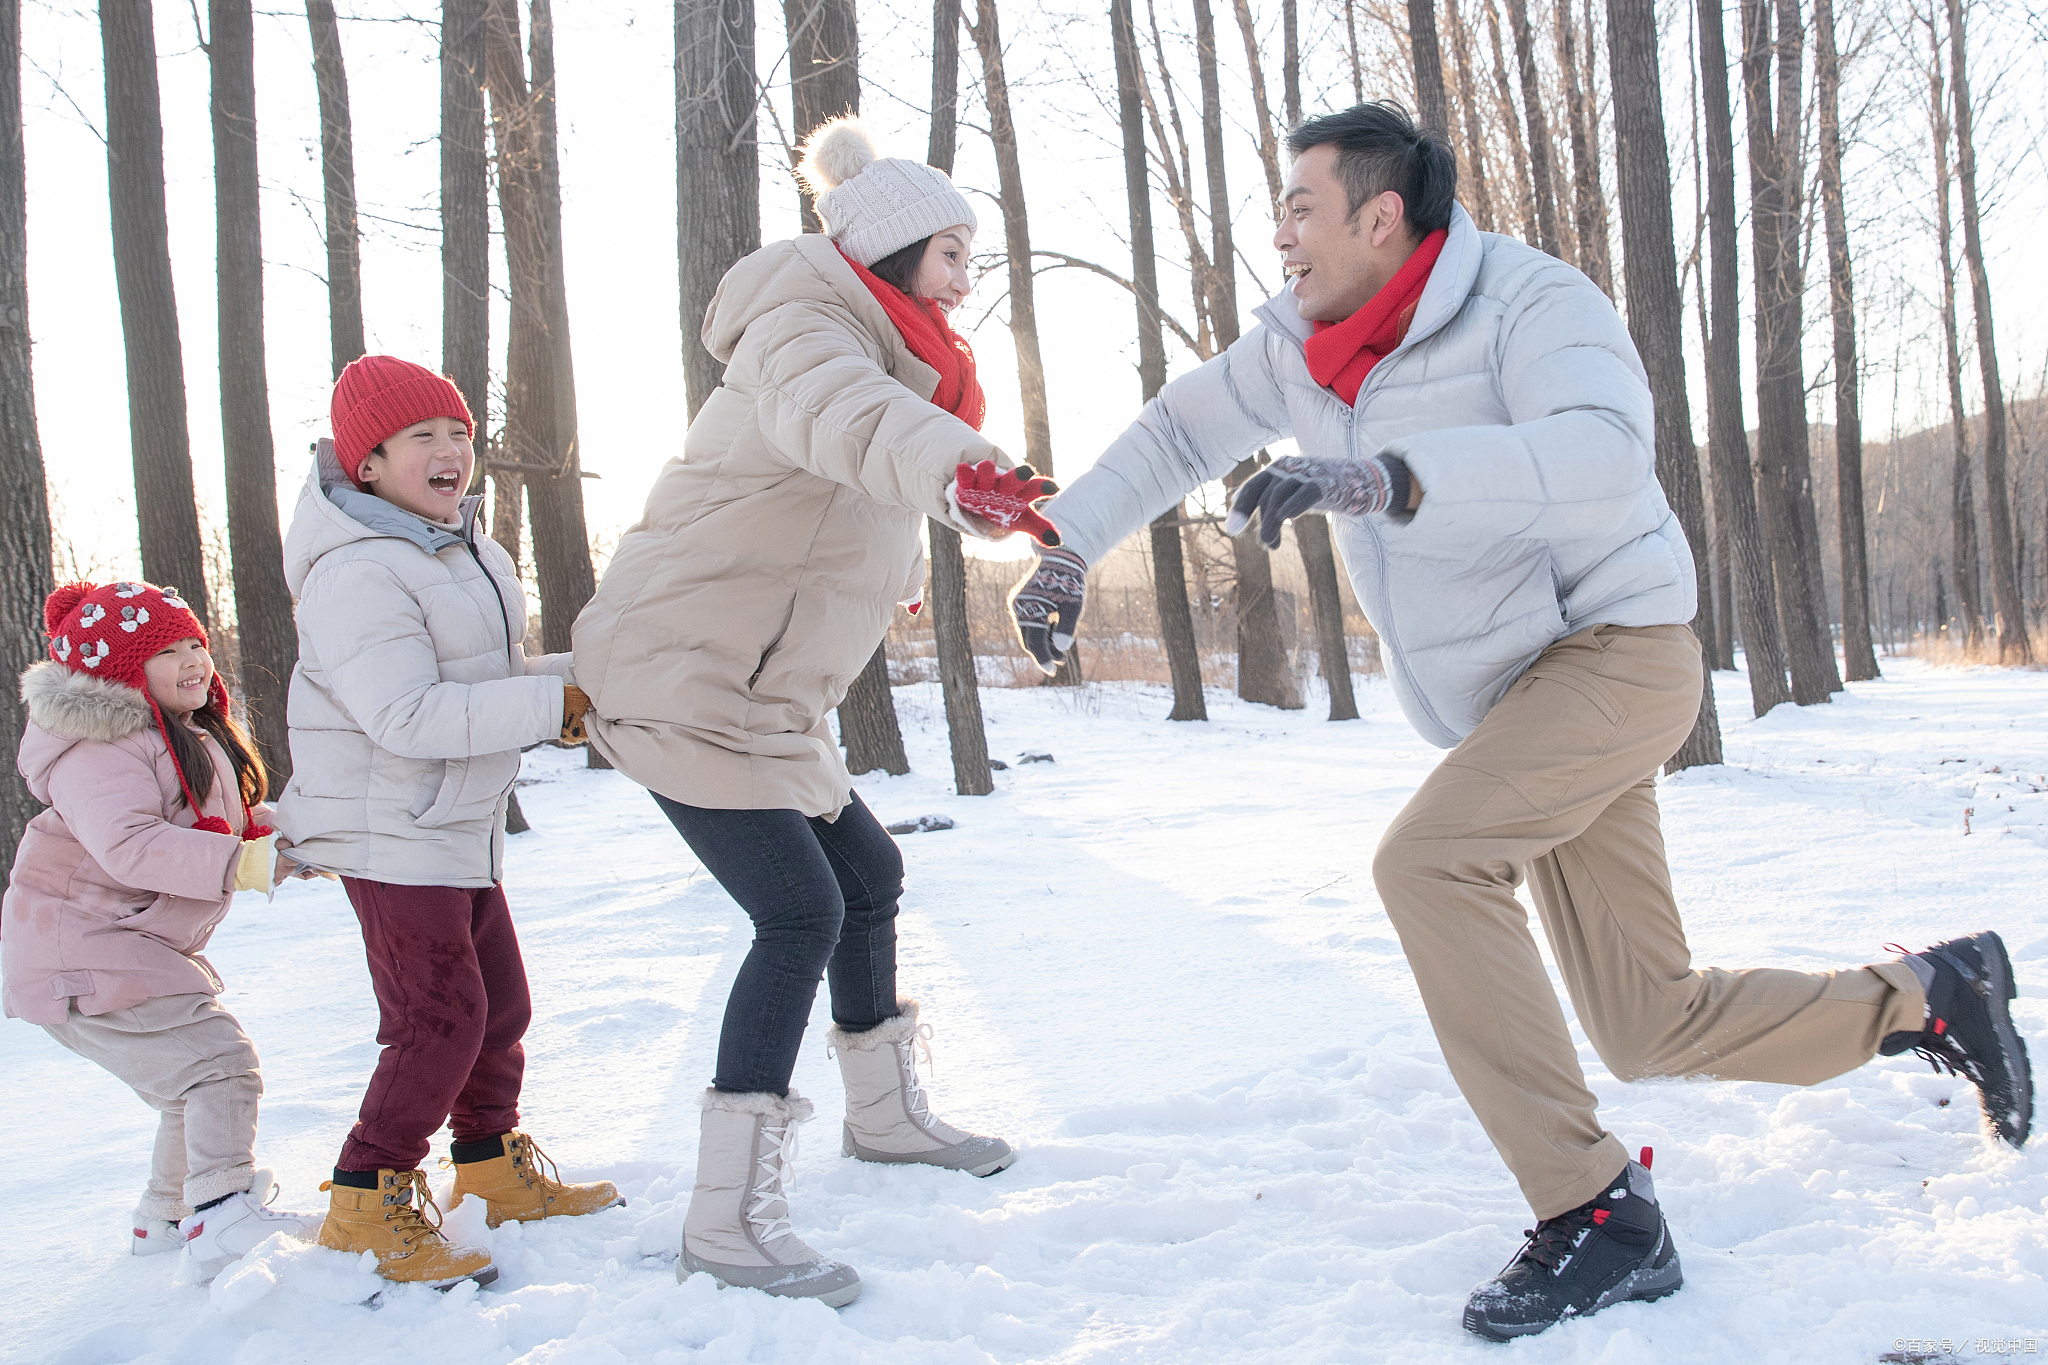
906 1061
1937 1047
530 1171
408 1218
774 1181
1552 1241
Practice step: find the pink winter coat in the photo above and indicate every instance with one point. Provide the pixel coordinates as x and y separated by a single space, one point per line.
113 892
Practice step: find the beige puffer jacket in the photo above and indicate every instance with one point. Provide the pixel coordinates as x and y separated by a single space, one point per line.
413 695
763 572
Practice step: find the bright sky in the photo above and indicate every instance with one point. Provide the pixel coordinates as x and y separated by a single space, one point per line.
618 168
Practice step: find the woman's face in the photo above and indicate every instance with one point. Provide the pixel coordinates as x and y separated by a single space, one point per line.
942 273
180 677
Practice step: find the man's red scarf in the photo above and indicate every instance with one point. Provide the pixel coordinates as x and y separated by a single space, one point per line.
1342 354
931 339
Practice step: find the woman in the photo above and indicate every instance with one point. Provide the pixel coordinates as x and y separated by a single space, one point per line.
757 584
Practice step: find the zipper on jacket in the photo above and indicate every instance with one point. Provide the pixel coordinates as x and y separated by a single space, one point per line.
504 615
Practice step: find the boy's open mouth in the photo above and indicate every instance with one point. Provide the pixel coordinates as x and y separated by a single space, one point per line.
448 482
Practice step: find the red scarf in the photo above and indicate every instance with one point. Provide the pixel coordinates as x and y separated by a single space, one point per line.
1342 354
931 339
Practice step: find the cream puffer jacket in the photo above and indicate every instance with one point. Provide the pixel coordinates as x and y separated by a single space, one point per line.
413 694
1520 406
763 572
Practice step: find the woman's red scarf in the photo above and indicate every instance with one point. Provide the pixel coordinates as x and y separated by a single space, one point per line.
1342 354
931 339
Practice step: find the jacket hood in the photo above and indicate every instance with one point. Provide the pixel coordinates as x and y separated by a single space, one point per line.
804 269
66 708
333 512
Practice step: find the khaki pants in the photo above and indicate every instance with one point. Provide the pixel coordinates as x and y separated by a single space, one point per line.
1558 782
188 1059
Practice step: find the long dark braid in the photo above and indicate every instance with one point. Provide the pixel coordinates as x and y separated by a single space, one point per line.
252 781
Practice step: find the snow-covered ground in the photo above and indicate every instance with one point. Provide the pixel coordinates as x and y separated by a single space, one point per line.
1157 965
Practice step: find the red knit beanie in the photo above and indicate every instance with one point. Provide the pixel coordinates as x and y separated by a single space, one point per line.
110 631
378 396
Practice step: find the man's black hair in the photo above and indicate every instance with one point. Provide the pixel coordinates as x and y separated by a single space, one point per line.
1380 148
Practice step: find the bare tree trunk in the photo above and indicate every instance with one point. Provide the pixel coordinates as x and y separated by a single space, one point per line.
1735 485
1262 671
718 177
338 171
1426 58
966 735
466 217
1580 115
268 640
540 400
1962 502
1656 314
988 42
1351 35
166 509
1269 141
1473 163
1290 60
1504 96
867 722
561 533
1169 574
824 73
1319 558
1859 655
26 577
1539 129
1784 468
2013 644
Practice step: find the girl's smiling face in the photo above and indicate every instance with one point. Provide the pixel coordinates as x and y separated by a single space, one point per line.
180 676
942 270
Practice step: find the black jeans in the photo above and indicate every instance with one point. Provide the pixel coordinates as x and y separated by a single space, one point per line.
822 895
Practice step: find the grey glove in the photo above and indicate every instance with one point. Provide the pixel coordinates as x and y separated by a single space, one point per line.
1047 606
1294 484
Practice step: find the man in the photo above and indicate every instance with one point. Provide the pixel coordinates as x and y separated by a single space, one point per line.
1475 416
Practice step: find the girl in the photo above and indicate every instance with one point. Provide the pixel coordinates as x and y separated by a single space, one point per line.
410 703
754 588
154 823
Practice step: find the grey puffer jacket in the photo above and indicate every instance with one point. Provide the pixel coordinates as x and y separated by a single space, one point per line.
413 694
1520 406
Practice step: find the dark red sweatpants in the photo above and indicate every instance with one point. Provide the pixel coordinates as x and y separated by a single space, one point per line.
451 990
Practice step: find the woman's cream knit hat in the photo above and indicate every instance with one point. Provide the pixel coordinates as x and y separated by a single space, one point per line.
872 205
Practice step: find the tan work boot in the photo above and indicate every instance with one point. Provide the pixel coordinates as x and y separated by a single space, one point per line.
388 1222
513 1185
887 1116
737 1230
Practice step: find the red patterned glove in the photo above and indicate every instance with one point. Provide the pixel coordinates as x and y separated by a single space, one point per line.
1004 498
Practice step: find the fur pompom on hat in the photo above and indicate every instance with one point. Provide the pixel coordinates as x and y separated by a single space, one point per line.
379 396
874 206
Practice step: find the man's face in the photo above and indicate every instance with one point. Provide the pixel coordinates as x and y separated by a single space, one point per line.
1336 260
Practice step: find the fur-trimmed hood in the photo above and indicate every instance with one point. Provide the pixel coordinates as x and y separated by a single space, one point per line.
67 708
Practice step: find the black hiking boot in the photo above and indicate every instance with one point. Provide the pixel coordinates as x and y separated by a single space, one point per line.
1969 1030
1608 1250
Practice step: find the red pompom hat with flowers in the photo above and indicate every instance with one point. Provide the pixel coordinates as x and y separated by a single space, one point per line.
378 396
110 631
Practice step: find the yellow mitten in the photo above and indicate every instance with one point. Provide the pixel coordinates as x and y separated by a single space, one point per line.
575 706
252 873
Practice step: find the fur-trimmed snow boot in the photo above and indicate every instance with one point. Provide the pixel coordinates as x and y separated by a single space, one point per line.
224 1232
887 1116
737 1230
389 1223
519 1182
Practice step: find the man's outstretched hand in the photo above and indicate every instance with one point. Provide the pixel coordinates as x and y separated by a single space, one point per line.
1294 484
1047 606
1004 498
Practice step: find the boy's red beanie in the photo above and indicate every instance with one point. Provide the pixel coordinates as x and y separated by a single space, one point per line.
378 396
